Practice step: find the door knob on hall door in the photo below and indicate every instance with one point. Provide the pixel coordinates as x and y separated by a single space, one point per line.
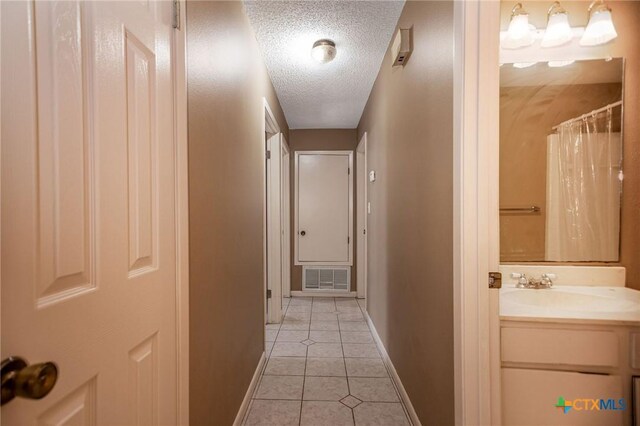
303 233
27 381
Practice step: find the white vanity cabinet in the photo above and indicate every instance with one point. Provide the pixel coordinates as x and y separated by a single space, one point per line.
543 361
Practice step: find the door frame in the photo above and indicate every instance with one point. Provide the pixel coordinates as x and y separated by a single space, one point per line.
475 212
297 154
182 213
285 167
270 138
362 198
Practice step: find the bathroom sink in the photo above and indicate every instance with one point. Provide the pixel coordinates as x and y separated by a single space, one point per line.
571 300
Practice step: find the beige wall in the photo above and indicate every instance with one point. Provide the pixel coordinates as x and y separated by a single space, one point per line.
409 122
626 15
527 115
226 83
320 140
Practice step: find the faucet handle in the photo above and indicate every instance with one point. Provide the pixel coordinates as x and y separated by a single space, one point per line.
522 279
547 279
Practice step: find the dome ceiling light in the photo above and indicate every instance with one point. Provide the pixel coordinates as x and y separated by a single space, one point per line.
323 51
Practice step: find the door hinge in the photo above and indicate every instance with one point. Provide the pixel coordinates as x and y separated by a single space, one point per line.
495 280
176 14
268 294
349 171
364 232
268 155
348 240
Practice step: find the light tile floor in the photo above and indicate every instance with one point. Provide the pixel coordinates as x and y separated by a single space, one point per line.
324 369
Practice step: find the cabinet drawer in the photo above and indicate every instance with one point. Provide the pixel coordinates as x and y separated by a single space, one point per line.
529 397
560 347
635 351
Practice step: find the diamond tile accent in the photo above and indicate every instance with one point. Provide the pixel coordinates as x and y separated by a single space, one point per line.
324 369
351 401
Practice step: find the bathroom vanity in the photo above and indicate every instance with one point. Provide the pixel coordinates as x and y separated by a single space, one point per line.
573 342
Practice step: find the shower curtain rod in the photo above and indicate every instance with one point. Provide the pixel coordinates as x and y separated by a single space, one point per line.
595 111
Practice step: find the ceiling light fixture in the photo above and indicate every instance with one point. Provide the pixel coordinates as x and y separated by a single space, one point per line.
323 51
519 33
600 29
558 30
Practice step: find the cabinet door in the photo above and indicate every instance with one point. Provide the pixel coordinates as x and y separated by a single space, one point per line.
529 397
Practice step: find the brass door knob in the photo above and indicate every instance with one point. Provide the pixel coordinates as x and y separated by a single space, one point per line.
27 381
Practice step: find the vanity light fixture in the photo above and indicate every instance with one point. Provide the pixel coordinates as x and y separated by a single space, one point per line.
600 29
558 64
520 33
558 30
323 51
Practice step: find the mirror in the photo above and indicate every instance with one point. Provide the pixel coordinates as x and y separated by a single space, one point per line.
561 161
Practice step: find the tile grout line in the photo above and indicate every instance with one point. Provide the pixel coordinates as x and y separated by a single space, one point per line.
346 374
306 362
323 400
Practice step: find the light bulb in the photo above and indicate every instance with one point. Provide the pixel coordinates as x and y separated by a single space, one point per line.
558 64
558 30
323 51
524 64
600 29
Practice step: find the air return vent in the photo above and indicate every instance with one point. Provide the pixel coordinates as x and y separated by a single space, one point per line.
334 278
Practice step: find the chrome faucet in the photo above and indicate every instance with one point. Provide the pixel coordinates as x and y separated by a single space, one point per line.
546 281
522 280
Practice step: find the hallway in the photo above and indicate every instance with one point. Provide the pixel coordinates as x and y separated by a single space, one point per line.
324 368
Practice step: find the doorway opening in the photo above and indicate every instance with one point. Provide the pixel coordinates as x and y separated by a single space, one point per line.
277 258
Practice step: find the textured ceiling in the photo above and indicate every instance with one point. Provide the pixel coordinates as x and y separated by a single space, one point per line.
315 95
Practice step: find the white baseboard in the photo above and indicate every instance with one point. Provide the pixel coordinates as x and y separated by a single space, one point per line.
322 293
411 412
244 407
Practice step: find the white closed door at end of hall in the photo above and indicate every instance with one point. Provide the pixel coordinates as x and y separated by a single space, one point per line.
88 209
324 207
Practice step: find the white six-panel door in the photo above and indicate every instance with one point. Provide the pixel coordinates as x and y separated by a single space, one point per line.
324 204
88 209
